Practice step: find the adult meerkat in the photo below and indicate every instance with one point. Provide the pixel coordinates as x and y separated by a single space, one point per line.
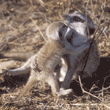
78 23
43 63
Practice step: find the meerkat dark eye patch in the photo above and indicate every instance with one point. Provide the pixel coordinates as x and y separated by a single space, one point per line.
77 19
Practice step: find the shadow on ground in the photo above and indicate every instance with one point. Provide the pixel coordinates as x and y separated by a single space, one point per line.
100 77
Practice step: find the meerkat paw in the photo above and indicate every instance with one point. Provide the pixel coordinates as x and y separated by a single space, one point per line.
64 92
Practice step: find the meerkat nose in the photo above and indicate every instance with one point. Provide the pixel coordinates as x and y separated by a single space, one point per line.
91 31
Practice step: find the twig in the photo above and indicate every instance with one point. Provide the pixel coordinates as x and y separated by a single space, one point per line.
3 47
103 84
97 27
102 94
7 103
34 16
90 91
92 8
88 104
61 106
38 28
47 104
91 94
93 39
86 20
101 90
41 2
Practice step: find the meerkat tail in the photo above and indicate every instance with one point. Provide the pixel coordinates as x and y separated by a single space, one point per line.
17 71
21 70
17 56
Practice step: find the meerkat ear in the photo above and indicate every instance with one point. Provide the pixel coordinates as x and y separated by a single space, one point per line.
65 16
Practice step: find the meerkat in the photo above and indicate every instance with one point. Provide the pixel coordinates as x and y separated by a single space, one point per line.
43 63
78 22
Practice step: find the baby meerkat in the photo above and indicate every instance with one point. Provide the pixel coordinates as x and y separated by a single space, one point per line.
43 63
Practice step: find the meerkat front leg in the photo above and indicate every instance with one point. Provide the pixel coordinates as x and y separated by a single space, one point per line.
49 78
74 51
67 79
72 58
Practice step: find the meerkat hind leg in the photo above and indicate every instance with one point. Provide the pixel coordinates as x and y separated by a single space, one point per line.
29 85
52 81
49 78
42 76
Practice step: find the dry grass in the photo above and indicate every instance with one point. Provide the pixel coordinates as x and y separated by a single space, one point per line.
22 29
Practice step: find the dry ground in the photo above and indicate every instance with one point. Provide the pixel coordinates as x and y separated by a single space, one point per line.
22 29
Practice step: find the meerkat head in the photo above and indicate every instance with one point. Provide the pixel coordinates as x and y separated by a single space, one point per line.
56 31
78 22
77 19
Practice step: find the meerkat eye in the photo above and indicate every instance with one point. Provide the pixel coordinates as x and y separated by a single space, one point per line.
76 18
